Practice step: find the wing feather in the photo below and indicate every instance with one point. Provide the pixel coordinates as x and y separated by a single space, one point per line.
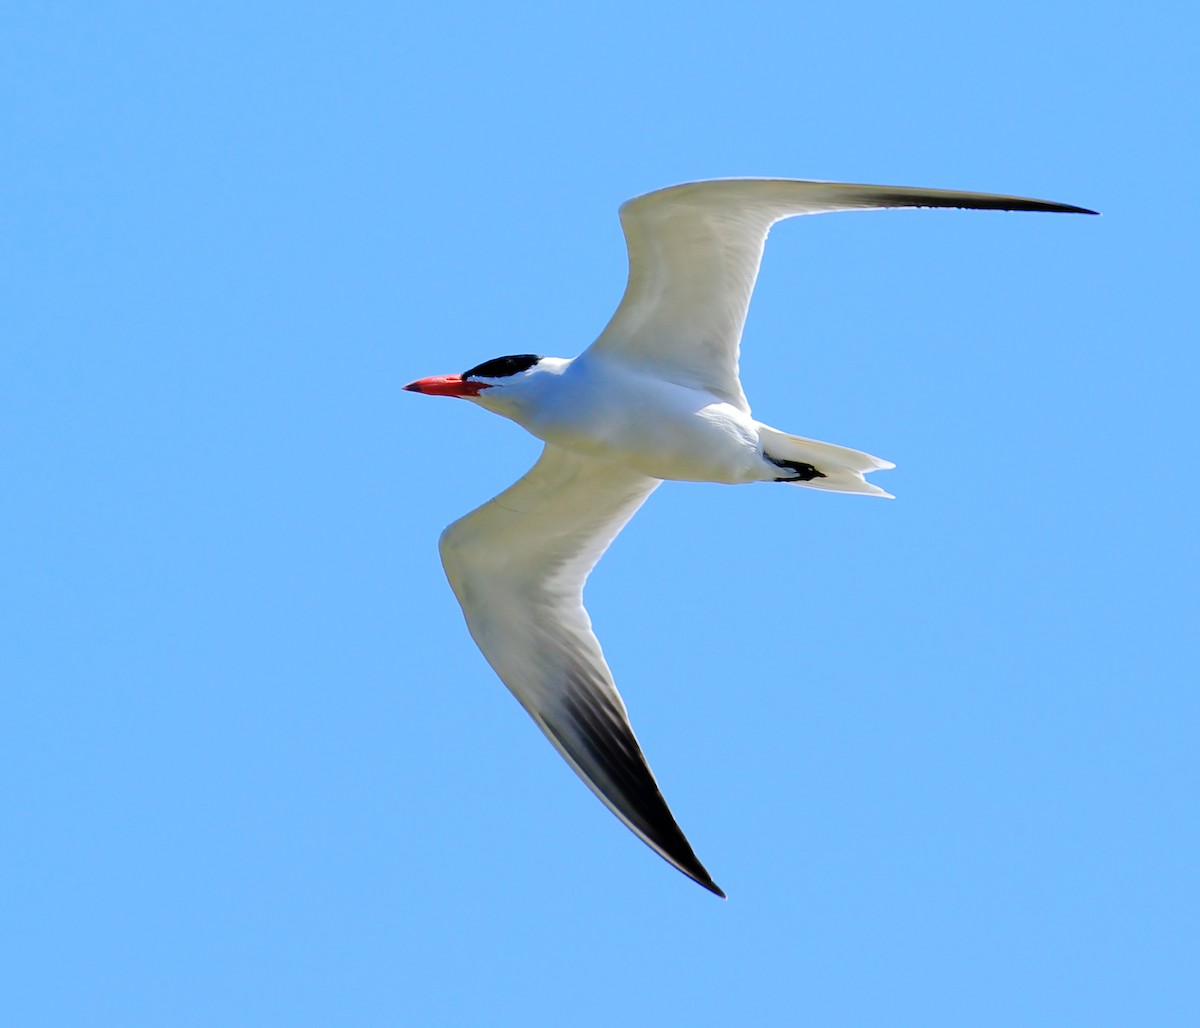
518 565
694 253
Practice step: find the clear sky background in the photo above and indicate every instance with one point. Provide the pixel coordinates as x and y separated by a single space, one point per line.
940 752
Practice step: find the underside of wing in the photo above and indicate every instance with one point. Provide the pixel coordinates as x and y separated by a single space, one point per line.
694 252
518 565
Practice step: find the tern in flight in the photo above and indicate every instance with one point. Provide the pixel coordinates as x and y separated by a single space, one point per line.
656 397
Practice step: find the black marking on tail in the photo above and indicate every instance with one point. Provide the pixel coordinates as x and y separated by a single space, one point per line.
804 472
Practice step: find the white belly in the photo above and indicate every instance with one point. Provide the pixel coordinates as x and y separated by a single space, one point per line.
660 429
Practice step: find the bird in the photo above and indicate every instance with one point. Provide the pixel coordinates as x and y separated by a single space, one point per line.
656 397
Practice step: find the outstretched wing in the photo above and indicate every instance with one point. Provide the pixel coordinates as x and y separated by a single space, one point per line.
694 252
517 566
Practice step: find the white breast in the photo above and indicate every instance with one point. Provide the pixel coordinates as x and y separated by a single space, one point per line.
653 426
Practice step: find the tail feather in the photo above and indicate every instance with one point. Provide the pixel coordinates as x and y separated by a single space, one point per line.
842 468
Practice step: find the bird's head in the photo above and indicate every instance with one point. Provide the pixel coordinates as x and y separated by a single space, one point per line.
501 384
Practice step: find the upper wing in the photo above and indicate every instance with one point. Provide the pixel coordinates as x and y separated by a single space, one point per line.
694 252
517 566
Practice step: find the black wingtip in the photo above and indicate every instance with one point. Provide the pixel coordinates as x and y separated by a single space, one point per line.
895 197
1017 204
696 871
1050 207
595 737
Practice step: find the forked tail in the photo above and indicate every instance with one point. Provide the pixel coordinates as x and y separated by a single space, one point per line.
838 469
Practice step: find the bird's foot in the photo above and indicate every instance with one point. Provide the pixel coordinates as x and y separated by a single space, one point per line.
803 472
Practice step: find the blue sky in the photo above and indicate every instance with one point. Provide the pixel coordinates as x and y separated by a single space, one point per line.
940 751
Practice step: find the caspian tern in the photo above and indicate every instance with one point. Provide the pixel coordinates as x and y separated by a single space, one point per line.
656 396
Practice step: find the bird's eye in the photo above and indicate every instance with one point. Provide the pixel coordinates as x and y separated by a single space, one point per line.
502 367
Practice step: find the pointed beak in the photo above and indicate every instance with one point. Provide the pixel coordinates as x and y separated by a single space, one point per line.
446 385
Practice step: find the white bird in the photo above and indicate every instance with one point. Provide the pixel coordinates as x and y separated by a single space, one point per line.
656 396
